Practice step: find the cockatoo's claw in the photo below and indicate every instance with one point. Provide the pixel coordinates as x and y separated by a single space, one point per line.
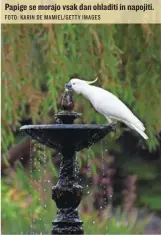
113 127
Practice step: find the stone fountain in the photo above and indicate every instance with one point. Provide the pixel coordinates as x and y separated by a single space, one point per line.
68 138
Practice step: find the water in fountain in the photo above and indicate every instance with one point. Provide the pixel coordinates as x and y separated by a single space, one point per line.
89 166
44 173
103 174
67 138
102 156
41 177
37 173
109 190
88 170
107 196
31 167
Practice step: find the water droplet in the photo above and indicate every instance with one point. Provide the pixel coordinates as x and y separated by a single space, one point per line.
94 222
102 153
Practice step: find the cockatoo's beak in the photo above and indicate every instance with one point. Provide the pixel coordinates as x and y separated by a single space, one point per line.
92 81
69 86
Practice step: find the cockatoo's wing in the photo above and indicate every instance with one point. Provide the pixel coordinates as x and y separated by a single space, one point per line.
110 106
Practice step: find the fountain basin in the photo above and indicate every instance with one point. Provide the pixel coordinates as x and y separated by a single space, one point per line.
63 136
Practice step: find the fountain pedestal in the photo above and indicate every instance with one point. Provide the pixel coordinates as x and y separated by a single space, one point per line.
67 194
67 138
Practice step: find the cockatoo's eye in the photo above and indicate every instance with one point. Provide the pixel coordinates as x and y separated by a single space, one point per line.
74 83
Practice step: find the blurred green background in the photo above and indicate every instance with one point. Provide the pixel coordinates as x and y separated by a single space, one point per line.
37 61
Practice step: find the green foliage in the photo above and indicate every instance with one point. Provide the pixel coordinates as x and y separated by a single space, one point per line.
37 61
149 195
113 225
126 59
152 201
149 173
25 211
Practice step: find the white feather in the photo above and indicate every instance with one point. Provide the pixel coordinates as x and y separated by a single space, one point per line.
109 105
139 131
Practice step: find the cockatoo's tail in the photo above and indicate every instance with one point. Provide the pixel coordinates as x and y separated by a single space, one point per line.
107 104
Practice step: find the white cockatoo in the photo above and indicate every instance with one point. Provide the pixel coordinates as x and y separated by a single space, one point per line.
107 104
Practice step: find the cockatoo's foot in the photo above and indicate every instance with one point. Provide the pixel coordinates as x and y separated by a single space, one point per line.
113 126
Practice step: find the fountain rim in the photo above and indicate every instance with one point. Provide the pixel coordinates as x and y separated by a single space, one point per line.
41 134
65 126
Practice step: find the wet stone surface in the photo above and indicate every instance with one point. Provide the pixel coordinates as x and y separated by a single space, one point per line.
67 138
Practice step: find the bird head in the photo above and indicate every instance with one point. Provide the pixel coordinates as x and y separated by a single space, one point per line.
78 85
